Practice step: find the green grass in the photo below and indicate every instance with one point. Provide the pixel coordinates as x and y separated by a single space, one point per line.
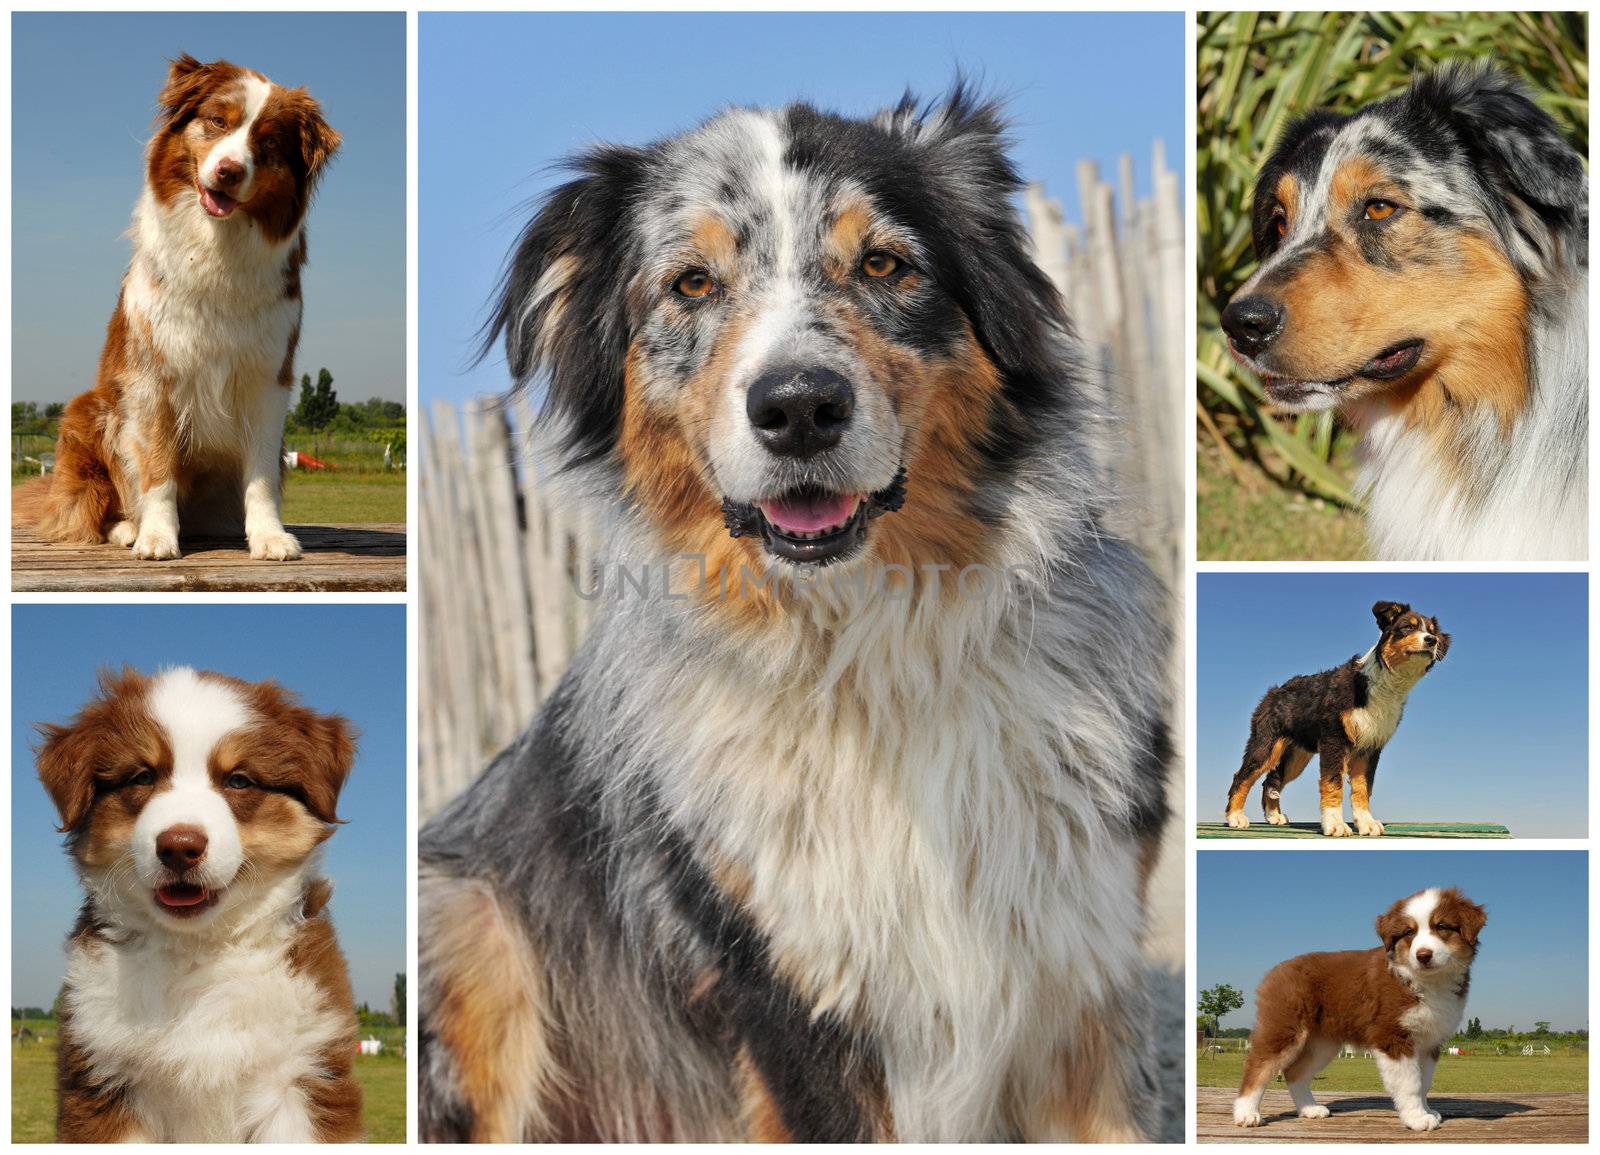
33 1092
1458 1074
344 498
1257 519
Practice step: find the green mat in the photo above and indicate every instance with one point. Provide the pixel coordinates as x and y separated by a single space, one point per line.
1260 829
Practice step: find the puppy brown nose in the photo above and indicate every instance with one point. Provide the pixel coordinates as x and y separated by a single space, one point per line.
229 172
1423 955
180 847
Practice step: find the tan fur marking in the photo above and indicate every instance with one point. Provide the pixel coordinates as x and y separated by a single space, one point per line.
763 1121
1332 788
492 1011
1092 1098
715 242
1360 789
1240 794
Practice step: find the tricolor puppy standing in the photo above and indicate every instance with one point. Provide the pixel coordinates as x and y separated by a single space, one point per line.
206 999
1401 1000
183 430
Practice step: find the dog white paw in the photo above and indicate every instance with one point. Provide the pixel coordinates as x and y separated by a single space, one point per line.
1277 818
1368 827
155 545
1315 1111
1422 1120
1337 829
1237 820
124 533
275 546
1245 1116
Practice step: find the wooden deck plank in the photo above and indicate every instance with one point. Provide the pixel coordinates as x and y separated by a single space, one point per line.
361 558
1258 829
1363 1117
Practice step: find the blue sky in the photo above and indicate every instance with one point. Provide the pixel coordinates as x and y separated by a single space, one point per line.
1497 732
77 169
1257 908
1078 86
343 659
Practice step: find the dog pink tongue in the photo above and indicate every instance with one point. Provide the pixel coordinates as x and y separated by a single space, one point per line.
809 514
217 204
181 895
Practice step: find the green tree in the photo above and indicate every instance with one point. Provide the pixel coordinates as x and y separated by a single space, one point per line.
318 406
1220 1000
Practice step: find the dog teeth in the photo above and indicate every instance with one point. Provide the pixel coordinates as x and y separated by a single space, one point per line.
818 533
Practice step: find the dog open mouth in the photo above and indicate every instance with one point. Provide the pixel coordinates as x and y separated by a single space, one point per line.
216 203
1395 361
810 525
185 899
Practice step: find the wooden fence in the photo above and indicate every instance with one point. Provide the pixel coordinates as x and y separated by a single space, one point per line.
501 565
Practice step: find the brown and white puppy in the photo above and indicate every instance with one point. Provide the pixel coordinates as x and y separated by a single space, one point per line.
184 425
1401 1000
206 999
1345 716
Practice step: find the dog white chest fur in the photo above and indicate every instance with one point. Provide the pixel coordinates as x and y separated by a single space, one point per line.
916 852
210 1043
1371 726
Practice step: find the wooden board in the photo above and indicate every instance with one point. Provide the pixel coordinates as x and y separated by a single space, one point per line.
1363 1117
1260 829
365 558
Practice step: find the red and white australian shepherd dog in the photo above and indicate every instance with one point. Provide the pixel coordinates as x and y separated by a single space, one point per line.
184 426
206 999
1401 1000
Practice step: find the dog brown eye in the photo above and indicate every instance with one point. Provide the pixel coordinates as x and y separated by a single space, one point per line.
1379 210
694 284
218 122
879 264
238 782
143 778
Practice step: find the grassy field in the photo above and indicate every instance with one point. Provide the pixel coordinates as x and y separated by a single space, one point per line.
33 1092
337 498
1253 518
1461 1074
344 498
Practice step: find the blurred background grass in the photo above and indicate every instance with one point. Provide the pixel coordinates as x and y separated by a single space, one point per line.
1274 485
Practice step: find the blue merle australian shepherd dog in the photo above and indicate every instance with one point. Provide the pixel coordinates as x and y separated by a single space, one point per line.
847 836
1424 269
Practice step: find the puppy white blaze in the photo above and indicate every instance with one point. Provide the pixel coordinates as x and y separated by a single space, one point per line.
1420 910
194 714
236 145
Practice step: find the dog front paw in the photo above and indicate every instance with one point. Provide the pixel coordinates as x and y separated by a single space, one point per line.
1368 827
1276 818
274 546
1244 1115
155 545
1315 1111
1334 825
124 533
1238 820
1422 1120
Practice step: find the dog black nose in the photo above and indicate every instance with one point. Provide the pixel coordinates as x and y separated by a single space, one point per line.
1252 323
1428 639
1423 955
798 412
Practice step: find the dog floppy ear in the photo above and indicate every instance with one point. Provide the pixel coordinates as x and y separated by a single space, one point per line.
1471 916
959 144
561 304
187 81
1517 149
1387 612
66 772
1393 926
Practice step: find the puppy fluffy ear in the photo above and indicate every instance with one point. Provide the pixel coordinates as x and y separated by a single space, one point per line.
1393 926
1387 612
1472 917
561 305
66 770
306 753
